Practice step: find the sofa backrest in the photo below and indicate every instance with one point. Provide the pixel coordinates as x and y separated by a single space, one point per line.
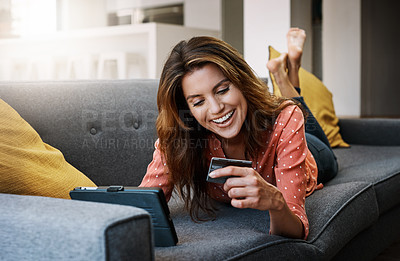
106 129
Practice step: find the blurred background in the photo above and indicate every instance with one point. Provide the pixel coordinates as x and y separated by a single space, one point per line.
351 44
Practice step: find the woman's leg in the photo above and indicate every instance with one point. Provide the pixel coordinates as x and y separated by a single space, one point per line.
278 68
312 126
289 64
324 157
285 70
295 41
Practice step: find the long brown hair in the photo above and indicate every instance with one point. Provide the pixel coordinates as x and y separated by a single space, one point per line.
182 139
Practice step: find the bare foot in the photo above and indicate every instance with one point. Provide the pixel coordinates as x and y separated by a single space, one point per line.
278 68
295 41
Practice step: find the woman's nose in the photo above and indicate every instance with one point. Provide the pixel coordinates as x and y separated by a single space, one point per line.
216 106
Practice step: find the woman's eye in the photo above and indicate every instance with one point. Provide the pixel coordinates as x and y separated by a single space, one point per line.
197 103
223 90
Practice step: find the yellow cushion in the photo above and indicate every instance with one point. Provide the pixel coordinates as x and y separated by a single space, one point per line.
319 100
28 166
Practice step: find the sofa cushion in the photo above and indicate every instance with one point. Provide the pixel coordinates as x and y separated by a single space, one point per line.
375 131
39 228
378 165
243 233
28 166
104 128
372 241
333 211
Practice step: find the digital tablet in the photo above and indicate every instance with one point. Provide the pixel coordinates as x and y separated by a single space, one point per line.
150 199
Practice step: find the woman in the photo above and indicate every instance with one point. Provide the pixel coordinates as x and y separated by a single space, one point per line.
211 104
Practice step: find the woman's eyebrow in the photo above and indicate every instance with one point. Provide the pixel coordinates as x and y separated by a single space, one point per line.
192 96
220 83
215 86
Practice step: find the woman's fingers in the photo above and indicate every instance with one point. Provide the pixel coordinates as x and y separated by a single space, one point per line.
241 192
247 189
249 202
244 181
230 171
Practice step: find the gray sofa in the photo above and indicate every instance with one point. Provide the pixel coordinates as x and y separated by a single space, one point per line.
106 130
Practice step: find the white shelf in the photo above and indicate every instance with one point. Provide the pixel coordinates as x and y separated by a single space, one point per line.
150 43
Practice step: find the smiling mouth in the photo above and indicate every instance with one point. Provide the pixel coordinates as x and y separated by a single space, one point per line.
224 118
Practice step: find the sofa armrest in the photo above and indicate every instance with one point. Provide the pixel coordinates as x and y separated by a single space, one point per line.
35 228
380 132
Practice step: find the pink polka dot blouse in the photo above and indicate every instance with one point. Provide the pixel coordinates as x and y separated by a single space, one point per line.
285 162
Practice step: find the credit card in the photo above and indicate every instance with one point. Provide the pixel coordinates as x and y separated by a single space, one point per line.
217 163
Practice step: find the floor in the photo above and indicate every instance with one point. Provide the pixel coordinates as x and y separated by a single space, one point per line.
390 254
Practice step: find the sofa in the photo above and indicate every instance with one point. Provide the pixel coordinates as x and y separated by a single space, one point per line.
106 129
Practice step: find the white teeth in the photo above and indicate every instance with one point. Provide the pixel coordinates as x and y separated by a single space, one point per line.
224 118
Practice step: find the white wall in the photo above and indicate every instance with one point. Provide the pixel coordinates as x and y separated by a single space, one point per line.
341 54
77 14
266 22
205 14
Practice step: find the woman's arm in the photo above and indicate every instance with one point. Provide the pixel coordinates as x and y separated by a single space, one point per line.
157 174
285 223
294 169
285 199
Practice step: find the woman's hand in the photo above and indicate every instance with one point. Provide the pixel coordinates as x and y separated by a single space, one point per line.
249 190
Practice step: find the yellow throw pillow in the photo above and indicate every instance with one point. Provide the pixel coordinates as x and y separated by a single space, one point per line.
28 166
319 100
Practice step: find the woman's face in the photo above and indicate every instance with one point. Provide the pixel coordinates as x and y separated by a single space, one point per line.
214 101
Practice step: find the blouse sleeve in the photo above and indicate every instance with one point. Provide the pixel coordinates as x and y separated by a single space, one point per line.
290 170
157 173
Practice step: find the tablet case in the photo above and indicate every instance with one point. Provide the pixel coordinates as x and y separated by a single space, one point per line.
150 199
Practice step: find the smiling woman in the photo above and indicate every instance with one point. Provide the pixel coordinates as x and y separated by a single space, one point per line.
214 101
209 96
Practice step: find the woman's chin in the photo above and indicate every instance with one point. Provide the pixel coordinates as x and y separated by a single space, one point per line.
228 135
